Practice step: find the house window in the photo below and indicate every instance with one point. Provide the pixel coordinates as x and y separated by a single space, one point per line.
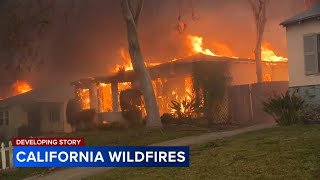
4 118
311 44
54 115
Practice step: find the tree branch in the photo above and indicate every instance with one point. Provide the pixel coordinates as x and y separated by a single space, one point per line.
126 10
130 7
254 9
138 11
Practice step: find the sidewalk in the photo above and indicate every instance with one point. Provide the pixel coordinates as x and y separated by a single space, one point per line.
78 173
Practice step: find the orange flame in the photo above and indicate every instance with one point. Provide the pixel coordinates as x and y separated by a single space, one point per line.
197 47
21 87
127 65
125 56
196 42
267 54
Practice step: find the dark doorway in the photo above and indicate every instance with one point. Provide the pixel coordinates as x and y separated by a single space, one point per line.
34 120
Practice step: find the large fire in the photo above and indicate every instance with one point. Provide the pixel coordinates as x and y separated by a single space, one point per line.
196 47
267 52
179 94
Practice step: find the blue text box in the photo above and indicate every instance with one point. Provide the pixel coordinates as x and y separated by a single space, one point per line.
101 156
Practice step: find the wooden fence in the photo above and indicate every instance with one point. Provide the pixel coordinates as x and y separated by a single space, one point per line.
6 155
245 101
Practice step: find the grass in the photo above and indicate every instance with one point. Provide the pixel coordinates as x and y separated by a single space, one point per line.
279 153
138 136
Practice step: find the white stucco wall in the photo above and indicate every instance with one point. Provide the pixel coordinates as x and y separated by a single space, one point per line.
295 35
61 126
17 118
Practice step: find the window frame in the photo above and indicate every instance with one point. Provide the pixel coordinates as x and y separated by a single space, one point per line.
316 53
54 114
4 118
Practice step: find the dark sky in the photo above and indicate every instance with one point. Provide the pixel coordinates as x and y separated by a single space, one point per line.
89 40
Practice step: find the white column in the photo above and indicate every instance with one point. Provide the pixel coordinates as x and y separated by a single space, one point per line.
93 95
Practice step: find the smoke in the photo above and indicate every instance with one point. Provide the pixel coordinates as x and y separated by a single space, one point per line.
84 38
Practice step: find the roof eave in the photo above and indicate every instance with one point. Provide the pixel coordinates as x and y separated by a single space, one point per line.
287 23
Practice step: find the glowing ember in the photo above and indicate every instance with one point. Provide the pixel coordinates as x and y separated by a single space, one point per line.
267 54
21 87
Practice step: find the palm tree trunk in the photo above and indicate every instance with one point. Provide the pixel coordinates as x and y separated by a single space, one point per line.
153 116
257 53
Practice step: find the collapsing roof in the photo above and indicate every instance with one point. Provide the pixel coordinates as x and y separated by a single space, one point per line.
165 70
313 13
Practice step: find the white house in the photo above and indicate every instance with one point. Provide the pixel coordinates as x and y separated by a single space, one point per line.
303 44
36 112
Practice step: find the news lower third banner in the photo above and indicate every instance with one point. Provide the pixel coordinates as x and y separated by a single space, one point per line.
101 156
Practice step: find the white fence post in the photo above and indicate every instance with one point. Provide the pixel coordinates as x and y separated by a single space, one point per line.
3 156
10 155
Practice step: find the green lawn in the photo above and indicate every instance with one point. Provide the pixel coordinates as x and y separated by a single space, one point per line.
278 153
138 136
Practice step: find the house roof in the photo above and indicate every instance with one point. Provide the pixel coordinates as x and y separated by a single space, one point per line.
312 13
58 93
165 70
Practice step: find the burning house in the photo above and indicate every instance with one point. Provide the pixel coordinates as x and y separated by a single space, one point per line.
171 81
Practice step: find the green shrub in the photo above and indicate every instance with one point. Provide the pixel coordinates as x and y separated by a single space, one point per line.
284 108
